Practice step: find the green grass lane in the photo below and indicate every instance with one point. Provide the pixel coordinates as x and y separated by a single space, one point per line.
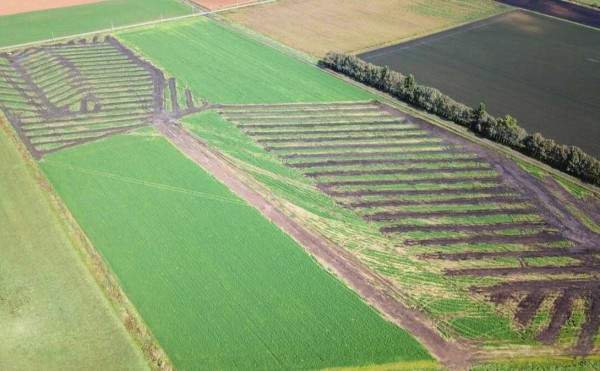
53 315
218 284
43 24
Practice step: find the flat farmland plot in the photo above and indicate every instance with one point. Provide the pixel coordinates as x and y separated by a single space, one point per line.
226 67
542 71
316 26
44 24
53 314
218 285
452 216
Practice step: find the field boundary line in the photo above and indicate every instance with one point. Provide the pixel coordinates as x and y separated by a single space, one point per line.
135 326
134 25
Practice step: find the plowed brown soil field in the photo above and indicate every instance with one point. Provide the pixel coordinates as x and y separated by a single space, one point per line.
20 6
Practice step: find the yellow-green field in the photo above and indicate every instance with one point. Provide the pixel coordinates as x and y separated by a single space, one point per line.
354 25
53 315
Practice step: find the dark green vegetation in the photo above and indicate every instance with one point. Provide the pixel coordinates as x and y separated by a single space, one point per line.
224 67
53 315
44 24
217 283
543 71
504 130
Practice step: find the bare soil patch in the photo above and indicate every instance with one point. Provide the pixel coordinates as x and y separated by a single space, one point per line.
21 6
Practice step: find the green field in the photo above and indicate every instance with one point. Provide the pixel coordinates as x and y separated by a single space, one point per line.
44 24
225 67
218 285
53 315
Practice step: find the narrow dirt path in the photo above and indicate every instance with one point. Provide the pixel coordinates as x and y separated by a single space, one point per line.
371 287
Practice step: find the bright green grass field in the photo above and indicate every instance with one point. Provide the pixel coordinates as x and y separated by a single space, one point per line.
219 286
225 67
39 25
53 315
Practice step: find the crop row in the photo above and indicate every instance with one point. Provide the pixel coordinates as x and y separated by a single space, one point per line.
66 94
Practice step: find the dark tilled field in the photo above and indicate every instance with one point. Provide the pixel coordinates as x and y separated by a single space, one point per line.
435 192
544 71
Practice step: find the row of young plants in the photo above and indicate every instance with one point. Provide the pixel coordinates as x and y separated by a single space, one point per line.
504 130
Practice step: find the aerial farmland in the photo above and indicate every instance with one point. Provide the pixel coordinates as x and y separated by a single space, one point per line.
299 185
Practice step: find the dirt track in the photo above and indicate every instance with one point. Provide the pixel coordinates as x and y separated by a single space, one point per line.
370 286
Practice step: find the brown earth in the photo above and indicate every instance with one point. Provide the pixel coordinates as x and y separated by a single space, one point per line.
346 183
370 154
21 6
445 213
490 198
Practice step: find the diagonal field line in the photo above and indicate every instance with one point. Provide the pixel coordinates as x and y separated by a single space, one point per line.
147 183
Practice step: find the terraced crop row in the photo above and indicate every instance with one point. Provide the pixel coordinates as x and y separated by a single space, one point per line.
61 95
433 192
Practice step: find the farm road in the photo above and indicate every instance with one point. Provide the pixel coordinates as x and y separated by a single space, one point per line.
373 288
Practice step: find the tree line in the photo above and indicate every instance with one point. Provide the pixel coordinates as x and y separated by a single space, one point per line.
505 130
